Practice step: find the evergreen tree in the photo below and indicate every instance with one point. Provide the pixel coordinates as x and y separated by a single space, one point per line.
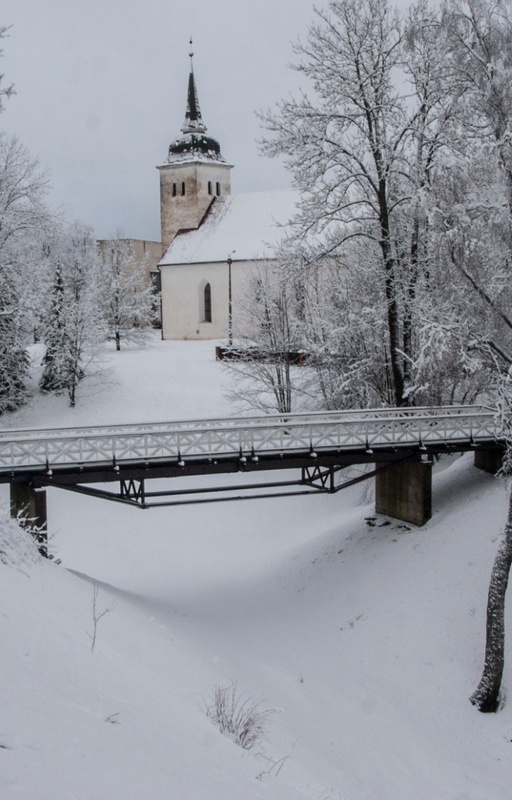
56 358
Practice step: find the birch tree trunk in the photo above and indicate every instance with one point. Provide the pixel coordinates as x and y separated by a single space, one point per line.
487 696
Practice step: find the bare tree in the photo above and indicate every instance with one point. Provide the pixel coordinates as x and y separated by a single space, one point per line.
344 146
5 91
481 35
96 616
479 223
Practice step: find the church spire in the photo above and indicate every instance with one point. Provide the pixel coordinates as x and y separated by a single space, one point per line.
194 145
194 174
193 120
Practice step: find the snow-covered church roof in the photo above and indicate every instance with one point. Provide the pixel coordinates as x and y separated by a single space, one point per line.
245 226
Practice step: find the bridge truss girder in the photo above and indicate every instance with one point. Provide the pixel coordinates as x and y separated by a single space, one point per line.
314 473
135 491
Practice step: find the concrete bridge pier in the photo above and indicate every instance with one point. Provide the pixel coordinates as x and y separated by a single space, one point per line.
490 460
404 491
28 505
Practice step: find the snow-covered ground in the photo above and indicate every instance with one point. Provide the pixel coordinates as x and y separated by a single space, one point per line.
366 641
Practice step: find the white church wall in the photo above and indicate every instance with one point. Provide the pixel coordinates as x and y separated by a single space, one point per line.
183 309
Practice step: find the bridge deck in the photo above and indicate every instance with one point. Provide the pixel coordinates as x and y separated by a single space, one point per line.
98 453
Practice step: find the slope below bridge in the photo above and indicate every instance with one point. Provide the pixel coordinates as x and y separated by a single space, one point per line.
400 444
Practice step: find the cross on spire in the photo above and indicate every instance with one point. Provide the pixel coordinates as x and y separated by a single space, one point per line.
193 119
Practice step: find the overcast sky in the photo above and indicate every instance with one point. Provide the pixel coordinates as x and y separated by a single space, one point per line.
101 93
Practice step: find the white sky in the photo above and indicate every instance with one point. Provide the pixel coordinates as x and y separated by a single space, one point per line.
101 93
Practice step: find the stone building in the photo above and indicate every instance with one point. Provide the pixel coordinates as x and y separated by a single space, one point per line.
146 252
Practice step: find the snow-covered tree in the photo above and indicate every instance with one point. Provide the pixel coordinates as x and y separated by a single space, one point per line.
477 208
478 238
401 155
488 696
480 34
363 150
129 298
267 342
14 360
23 215
57 353
74 325
344 332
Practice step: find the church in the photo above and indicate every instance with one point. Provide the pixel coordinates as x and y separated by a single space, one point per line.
211 239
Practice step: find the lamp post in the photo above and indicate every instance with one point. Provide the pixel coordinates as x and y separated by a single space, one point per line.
230 301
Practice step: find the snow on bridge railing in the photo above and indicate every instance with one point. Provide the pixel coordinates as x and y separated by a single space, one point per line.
337 430
224 422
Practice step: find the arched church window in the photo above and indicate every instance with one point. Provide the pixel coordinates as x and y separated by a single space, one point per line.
174 190
209 187
207 303
183 188
218 189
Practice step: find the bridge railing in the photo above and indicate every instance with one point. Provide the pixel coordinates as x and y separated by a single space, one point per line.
247 436
245 421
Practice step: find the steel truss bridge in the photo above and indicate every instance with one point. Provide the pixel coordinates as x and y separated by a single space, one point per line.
317 446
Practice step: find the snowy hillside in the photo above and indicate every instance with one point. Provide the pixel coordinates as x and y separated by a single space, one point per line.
365 642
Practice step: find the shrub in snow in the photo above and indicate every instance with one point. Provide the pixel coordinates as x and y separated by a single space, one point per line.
18 546
241 718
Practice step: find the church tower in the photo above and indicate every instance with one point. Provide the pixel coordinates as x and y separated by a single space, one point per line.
193 175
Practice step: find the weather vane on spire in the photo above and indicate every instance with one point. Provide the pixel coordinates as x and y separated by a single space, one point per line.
191 53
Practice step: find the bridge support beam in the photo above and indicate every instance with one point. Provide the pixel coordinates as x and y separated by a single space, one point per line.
404 491
28 505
